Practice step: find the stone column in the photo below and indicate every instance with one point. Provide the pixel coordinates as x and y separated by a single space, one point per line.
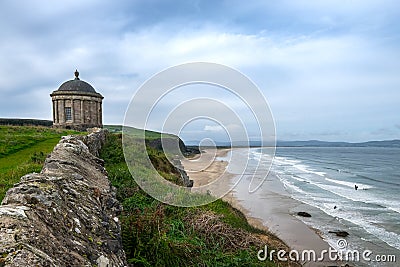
72 110
98 112
54 111
90 111
58 112
95 112
62 110
84 110
101 113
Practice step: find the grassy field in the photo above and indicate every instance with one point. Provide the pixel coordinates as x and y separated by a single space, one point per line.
134 132
23 150
156 234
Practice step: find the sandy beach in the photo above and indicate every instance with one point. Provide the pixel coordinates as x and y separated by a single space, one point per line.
204 169
270 209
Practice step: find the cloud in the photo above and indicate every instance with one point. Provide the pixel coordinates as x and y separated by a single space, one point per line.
213 128
322 66
383 131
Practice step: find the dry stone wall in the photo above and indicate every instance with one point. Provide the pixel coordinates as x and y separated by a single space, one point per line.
67 214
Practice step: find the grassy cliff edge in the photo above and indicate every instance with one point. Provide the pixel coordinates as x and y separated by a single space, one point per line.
156 234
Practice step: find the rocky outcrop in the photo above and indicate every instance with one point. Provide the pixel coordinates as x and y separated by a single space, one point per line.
67 214
94 140
173 146
339 233
185 180
303 214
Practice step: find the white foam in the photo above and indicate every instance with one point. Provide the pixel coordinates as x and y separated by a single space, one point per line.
305 180
396 209
307 169
350 184
362 196
298 165
390 238
286 161
256 155
300 179
346 193
288 184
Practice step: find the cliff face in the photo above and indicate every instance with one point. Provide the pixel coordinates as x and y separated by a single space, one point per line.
171 145
67 214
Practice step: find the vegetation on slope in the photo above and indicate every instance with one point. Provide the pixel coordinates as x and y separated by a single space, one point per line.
134 132
156 234
25 122
23 150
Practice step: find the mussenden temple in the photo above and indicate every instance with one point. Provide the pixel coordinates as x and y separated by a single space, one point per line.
77 105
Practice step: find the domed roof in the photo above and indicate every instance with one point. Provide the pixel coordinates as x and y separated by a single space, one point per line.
76 85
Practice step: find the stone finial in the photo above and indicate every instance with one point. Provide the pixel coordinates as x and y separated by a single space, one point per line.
76 74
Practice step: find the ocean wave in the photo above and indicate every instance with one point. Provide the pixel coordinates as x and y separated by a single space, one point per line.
339 188
288 185
286 161
361 197
300 179
307 169
357 218
371 208
347 193
298 164
395 209
350 184
376 180
339 170
390 238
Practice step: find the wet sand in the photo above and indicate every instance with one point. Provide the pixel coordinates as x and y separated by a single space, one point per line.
269 208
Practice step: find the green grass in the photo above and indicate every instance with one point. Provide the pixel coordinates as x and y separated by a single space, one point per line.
23 150
156 234
134 132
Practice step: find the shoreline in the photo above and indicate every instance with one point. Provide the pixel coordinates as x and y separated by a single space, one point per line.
203 168
277 217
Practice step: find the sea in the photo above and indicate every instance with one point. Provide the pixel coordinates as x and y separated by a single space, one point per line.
326 178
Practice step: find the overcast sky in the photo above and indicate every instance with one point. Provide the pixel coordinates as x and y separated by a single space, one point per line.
329 70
